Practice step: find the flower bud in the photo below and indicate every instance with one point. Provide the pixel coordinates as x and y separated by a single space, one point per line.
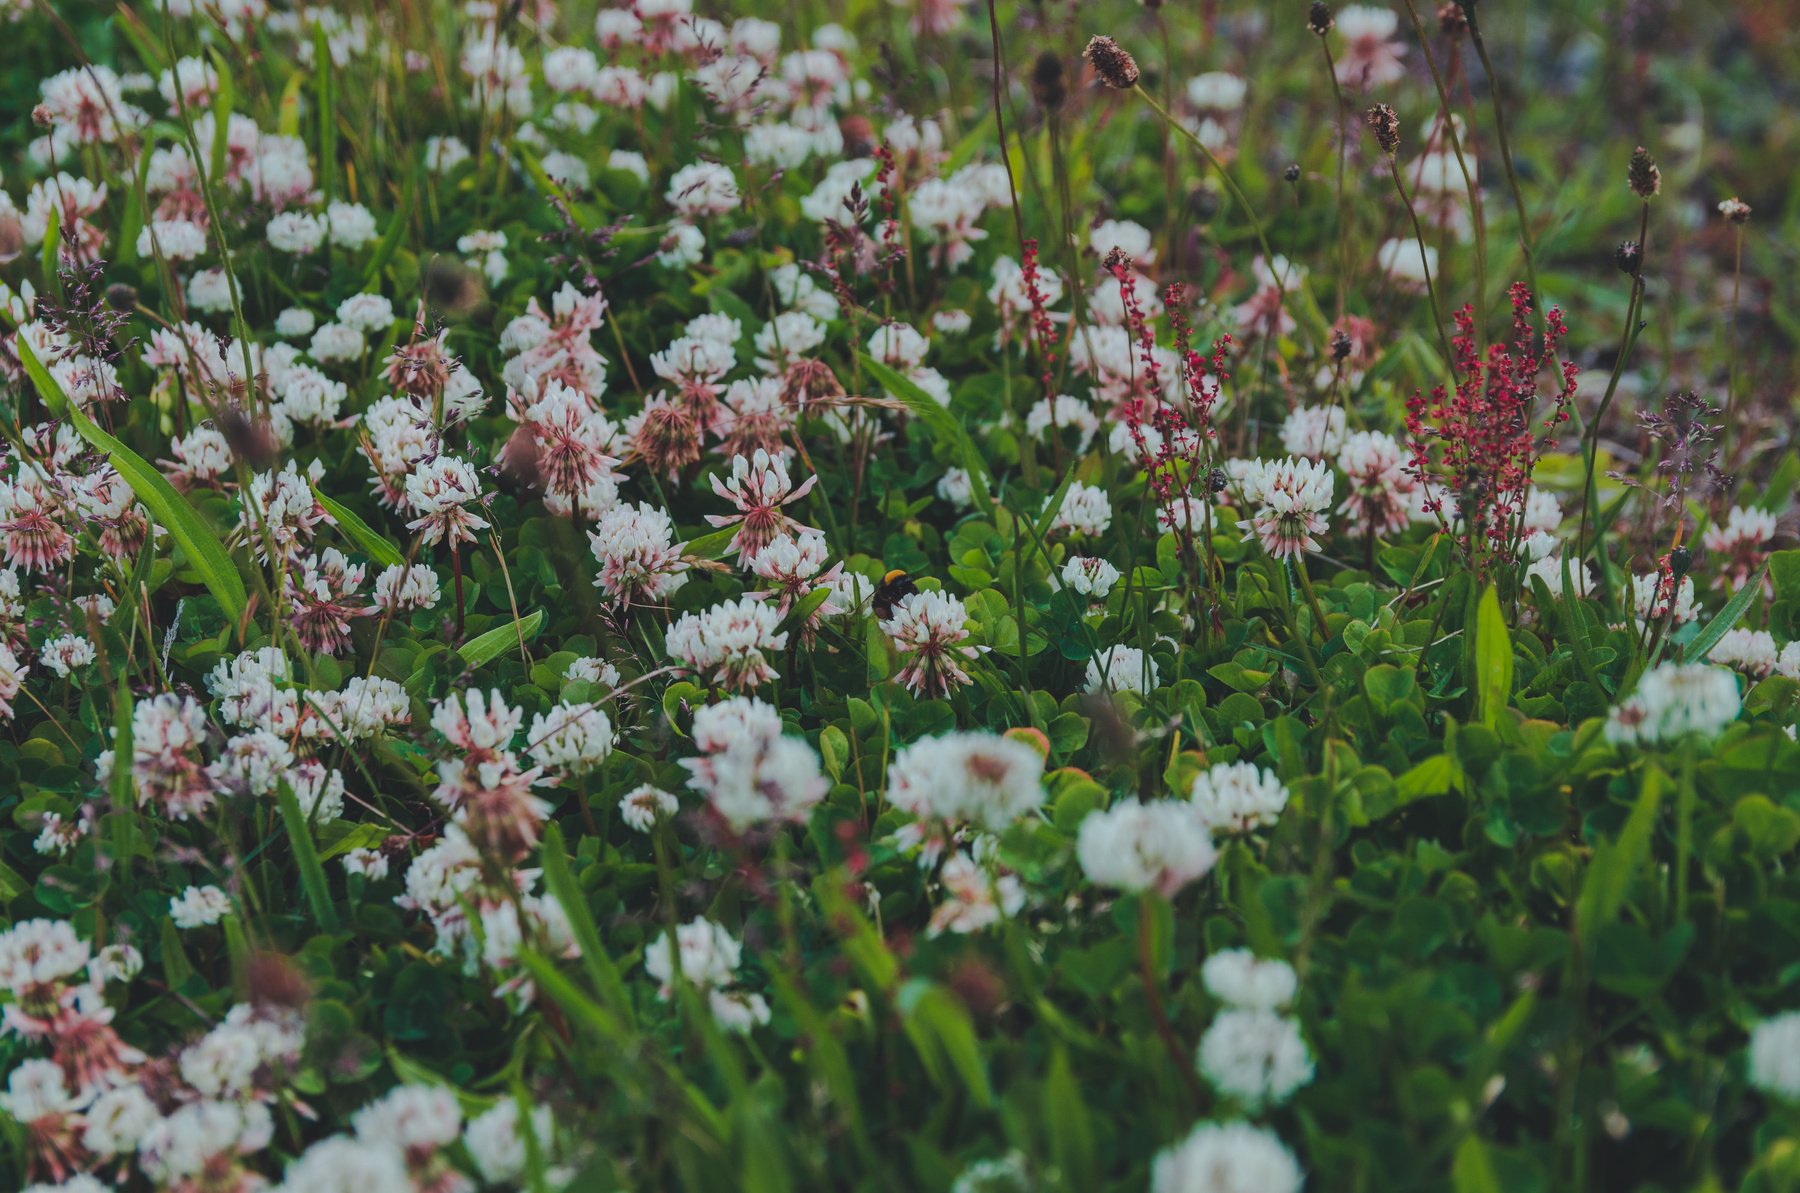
1319 19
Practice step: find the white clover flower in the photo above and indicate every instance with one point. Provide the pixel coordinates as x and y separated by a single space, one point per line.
35 1089
1160 846
1122 669
1242 979
1775 1056
573 738
178 240
701 189
1229 1157
643 806
494 1140
1235 797
1650 598
411 1117
1549 569
730 644
1751 651
954 486
976 778
1255 1056
118 1120
682 246
366 863
67 653
37 953
115 963
341 1164
296 232
748 769
404 586
709 956
1314 432
1086 509
351 225
1217 91
367 313
1406 263
295 323
1090 576
199 906
1674 701
1292 496
334 342
209 291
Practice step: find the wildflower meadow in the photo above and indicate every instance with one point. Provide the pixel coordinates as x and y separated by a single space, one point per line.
885 595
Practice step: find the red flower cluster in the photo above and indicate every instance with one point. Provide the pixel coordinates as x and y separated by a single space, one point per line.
1487 442
1043 329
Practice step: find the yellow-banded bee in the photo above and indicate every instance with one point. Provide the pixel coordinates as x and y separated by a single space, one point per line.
895 587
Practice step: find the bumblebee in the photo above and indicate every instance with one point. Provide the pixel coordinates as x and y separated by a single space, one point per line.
895 587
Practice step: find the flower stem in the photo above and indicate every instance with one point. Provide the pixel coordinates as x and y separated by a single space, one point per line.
1153 1000
1684 832
1437 314
1231 185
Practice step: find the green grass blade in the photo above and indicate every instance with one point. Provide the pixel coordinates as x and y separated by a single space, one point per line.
306 858
360 532
939 420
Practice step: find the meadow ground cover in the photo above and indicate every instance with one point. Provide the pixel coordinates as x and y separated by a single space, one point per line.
1192 597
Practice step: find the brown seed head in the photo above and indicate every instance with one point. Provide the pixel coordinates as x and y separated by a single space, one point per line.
1048 86
1383 122
1453 20
1320 19
1116 68
1629 256
1643 175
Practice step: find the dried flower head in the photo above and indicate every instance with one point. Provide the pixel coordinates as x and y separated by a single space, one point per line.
1453 20
1319 19
1645 178
1116 68
1735 210
1629 257
1385 124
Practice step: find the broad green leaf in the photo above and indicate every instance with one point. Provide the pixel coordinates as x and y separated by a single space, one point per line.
1473 1170
942 1032
484 648
1609 874
1702 643
1493 658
